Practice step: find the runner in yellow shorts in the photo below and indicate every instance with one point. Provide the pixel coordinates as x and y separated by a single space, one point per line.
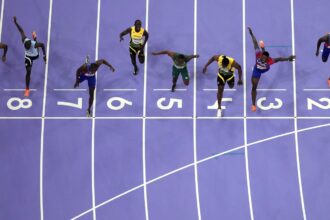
227 66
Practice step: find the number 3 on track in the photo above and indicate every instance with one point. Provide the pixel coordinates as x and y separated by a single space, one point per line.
271 105
20 103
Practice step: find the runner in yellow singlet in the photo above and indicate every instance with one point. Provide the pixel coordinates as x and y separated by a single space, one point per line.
227 66
139 37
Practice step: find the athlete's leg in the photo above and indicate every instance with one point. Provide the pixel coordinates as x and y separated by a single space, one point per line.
174 80
132 53
185 76
91 100
28 77
141 56
325 54
255 82
221 86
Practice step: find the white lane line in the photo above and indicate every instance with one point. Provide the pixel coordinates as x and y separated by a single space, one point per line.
245 121
163 90
144 160
44 110
199 162
295 114
1 18
70 90
273 90
18 90
194 116
211 90
94 110
106 90
316 90
164 118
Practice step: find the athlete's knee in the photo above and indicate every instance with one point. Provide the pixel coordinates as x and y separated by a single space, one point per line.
186 82
141 58
231 85
324 59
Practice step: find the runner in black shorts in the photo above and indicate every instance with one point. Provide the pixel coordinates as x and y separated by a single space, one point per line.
139 37
31 54
227 66
4 47
179 66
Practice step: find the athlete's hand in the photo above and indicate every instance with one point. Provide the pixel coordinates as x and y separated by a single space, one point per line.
240 82
112 69
154 53
3 58
204 70
250 30
292 58
197 56
317 53
15 19
45 59
121 38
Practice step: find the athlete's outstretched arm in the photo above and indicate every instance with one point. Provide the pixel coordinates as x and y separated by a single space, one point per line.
255 43
20 29
122 34
78 72
103 61
167 52
239 69
4 47
189 57
213 58
323 39
42 46
280 59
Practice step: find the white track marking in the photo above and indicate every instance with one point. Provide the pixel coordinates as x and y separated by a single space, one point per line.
44 110
245 122
316 90
94 110
1 18
215 90
199 162
295 114
273 90
18 90
194 116
70 90
166 90
145 192
124 90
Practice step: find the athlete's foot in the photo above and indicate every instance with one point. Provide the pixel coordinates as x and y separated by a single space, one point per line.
219 113
173 88
329 82
136 70
88 113
253 108
27 93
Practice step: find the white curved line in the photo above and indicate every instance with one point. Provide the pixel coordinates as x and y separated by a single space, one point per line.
198 162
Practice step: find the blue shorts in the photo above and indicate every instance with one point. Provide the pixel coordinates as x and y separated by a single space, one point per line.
257 73
91 80
325 54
